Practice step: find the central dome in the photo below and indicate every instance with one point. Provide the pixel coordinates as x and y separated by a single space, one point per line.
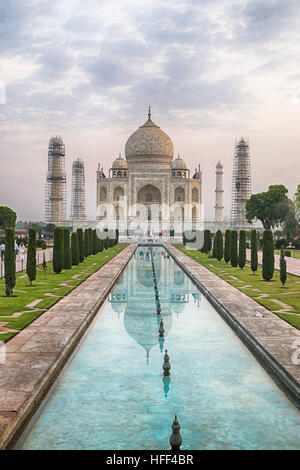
149 140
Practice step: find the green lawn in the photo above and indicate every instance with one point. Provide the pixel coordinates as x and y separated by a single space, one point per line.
294 253
24 294
266 293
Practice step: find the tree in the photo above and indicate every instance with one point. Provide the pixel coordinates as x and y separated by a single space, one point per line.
254 259
242 249
8 218
227 246
100 244
234 249
291 224
283 274
268 255
58 250
86 243
50 228
80 244
44 264
297 197
90 241
270 207
31 256
95 242
219 245
9 261
67 250
75 249
207 242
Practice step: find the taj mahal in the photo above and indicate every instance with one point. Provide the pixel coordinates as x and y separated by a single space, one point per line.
149 175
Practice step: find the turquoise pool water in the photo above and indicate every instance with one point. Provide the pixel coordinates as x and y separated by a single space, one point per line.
113 395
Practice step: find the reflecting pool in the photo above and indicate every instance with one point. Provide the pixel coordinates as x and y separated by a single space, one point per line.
113 394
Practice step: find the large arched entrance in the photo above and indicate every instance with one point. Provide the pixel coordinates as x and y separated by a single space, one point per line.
149 195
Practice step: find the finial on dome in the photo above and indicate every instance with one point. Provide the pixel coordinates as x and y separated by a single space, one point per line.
149 112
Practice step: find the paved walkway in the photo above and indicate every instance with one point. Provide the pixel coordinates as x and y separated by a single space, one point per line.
22 266
37 354
279 339
292 264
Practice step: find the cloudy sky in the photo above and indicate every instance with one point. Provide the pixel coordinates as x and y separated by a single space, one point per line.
213 71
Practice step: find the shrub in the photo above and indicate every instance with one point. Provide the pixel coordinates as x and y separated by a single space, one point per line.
254 260
9 262
283 274
234 249
86 243
67 250
268 255
80 244
207 242
58 250
227 246
75 249
94 242
31 256
219 245
242 249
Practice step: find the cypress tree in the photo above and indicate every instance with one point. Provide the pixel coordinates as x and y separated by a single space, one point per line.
117 236
234 249
86 243
268 255
80 244
95 242
242 249
227 246
9 262
44 264
90 241
75 249
254 243
100 241
207 242
31 256
67 250
214 252
219 245
283 274
58 250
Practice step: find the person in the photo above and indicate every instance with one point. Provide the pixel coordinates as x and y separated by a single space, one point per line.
16 247
22 252
2 250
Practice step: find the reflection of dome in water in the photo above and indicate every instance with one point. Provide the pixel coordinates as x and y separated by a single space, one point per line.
178 308
118 307
142 323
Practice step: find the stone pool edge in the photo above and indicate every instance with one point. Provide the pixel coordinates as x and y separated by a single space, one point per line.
21 412
288 381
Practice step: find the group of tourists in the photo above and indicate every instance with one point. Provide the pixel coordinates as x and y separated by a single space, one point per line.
19 249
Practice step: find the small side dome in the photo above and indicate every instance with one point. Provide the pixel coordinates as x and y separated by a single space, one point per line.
178 164
120 163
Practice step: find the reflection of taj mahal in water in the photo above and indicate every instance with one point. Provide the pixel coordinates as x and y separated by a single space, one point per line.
134 296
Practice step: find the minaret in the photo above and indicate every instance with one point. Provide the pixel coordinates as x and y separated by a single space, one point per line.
219 207
241 184
55 210
78 191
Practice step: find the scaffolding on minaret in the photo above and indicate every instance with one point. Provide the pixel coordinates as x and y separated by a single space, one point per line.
78 191
56 182
241 183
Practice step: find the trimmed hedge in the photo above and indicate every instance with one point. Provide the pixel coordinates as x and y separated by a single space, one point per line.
234 249
31 256
268 255
10 261
242 249
58 250
227 247
75 248
80 244
254 243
